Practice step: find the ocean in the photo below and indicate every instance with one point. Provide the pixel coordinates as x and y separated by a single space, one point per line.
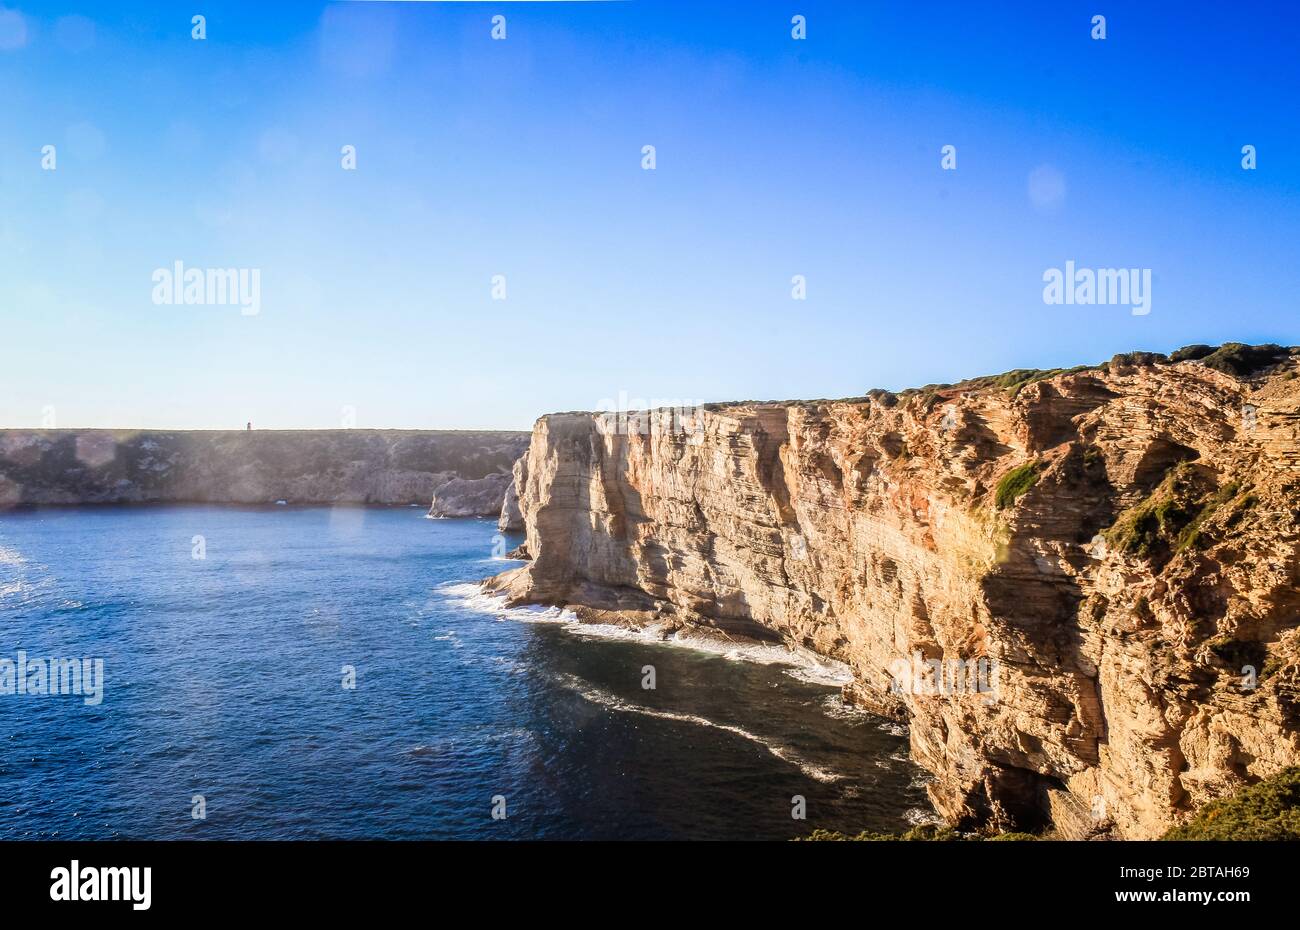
317 672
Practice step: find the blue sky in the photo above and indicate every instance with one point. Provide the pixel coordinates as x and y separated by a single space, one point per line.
522 158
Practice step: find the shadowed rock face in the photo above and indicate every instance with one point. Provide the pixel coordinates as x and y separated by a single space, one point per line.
471 497
43 467
1138 672
512 517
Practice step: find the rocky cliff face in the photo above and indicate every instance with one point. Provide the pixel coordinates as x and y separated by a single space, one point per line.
1081 589
512 516
255 467
471 497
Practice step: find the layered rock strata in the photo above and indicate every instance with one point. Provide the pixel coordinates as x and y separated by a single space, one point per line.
1114 549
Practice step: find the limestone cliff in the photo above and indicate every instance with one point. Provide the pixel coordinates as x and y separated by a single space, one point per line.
1117 544
471 497
44 467
512 517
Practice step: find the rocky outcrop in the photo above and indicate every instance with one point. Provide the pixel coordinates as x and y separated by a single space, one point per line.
512 517
1081 588
45 467
470 497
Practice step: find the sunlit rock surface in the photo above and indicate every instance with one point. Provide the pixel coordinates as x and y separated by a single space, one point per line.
1132 685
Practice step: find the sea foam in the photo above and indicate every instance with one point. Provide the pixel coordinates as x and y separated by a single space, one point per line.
803 664
595 695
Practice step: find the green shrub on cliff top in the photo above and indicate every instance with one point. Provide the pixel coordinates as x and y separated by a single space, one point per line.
1234 358
1191 353
1018 378
1241 360
1016 482
1124 360
1269 810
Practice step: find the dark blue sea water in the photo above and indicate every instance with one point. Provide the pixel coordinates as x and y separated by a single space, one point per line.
223 678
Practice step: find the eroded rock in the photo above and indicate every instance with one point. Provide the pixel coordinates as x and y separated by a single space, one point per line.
1130 688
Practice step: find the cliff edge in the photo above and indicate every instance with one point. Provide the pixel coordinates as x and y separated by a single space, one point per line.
1081 588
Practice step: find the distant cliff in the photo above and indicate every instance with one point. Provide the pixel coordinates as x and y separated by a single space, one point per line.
1114 549
49 467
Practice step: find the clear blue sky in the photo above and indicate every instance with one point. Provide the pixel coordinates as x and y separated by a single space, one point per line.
522 157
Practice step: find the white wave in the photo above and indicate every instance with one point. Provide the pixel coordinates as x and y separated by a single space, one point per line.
470 596
596 696
919 816
11 556
837 708
805 665
450 636
819 670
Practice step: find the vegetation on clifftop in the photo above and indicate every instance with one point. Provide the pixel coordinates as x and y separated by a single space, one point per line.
1234 358
1242 361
